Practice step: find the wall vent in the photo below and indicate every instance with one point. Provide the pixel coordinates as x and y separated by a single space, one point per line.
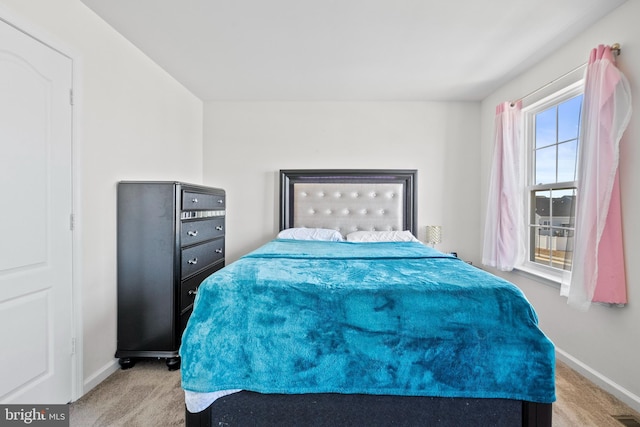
627 420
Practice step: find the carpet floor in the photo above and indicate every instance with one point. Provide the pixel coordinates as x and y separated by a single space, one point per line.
149 395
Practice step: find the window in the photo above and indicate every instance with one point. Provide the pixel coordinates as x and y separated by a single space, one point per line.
552 135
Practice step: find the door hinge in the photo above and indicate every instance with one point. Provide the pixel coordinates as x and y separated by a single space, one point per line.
73 346
71 96
71 222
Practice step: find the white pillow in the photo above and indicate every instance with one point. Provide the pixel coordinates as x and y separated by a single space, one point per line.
381 236
311 234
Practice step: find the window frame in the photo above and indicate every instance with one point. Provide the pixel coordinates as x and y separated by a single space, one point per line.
552 97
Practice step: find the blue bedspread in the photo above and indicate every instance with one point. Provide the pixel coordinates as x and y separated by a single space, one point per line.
375 318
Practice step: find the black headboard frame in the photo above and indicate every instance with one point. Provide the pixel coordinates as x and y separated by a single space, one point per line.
404 179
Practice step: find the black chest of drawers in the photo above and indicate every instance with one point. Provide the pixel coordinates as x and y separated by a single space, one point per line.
170 238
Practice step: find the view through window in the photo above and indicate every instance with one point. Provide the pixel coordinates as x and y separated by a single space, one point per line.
554 129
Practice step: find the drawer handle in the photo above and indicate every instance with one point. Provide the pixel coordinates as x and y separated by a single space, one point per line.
193 261
192 233
218 251
220 201
219 228
194 200
192 292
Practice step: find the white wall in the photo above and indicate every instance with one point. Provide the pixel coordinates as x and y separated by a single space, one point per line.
247 143
133 122
604 342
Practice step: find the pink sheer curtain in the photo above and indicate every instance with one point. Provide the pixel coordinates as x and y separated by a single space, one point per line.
598 261
503 246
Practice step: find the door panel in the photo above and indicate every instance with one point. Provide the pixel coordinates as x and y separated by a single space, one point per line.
25 100
36 240
30 355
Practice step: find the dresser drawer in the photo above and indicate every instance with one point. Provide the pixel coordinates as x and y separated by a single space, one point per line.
202 201
196 258
189 287
192 232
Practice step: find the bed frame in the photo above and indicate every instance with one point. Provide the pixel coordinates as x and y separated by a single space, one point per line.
350 200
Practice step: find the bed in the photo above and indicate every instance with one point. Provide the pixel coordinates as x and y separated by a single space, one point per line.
310 329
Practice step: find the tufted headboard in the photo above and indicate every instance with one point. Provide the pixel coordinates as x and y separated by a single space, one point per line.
348 200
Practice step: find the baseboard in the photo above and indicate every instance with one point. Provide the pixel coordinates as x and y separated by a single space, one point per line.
100 375
600 380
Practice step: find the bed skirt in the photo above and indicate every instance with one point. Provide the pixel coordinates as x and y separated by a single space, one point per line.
327 409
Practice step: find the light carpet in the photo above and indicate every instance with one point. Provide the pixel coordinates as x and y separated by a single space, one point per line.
150 395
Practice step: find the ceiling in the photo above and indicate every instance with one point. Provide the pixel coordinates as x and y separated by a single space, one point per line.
347 50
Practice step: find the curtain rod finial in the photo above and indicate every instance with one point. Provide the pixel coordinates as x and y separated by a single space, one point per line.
616 48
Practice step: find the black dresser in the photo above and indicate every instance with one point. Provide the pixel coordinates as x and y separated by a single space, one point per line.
170 238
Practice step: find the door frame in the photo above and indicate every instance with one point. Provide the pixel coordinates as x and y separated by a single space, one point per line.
37 33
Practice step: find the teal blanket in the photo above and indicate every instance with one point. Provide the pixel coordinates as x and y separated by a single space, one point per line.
379 318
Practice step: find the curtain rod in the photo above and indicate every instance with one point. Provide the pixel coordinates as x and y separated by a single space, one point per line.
615 48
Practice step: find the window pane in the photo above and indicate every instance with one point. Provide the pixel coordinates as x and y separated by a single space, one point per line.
552 227
564 207
545 165
569 119
567 157
563 210
542 208
546 127
540 230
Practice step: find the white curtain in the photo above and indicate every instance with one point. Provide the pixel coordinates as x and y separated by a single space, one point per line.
598 261
504 225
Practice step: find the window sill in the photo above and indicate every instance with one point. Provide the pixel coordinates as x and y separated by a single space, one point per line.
537 275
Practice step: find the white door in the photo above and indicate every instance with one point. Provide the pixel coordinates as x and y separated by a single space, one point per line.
35 208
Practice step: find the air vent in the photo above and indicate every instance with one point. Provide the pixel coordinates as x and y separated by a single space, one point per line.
627 420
